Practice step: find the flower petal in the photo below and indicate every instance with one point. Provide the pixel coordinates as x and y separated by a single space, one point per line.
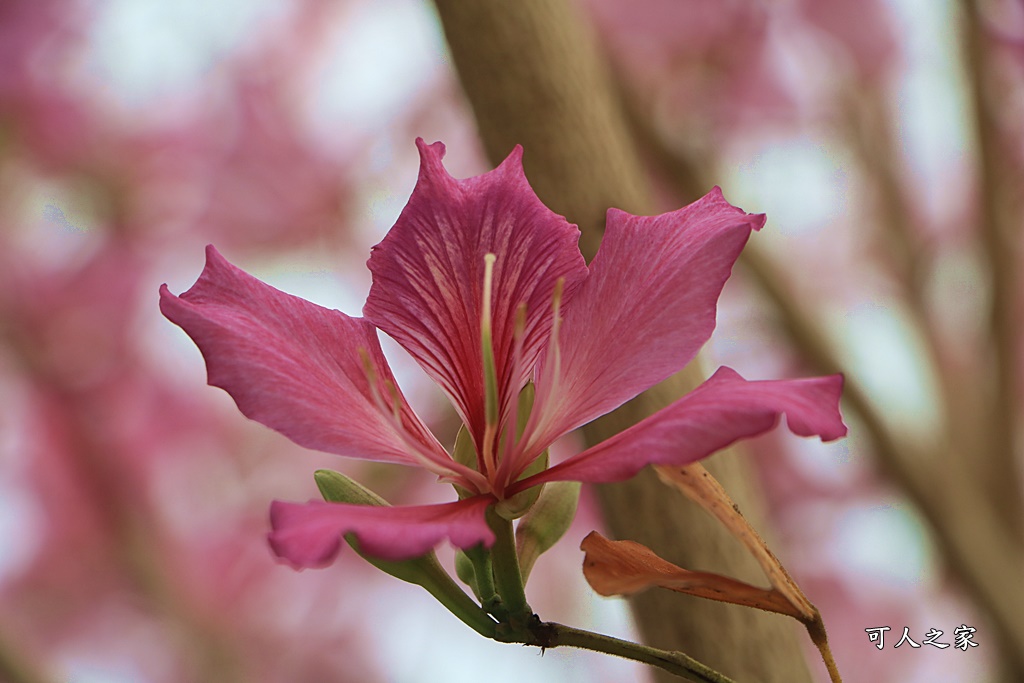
644 312
428 276
310 534
296 367
722 410
627 567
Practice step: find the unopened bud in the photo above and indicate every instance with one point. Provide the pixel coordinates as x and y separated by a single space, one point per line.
466 572
546 522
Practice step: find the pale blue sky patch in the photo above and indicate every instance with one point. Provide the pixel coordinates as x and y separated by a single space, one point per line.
383 55
883 542
886 354
21 525
799 182
142 49
824 462
932 103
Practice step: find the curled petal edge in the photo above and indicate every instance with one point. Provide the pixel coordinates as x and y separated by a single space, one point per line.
720 411
295 366
653 286
308 535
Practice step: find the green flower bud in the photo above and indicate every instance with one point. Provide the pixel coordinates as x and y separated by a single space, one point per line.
466 572
546 522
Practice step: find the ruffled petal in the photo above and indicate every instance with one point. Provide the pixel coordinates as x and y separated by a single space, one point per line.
310 534
301 369
722 410
643 313
428 276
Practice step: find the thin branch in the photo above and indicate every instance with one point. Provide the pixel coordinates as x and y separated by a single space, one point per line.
986 556
555 635
975 542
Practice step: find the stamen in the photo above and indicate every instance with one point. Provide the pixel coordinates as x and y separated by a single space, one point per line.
552 371
520 328
556 325
556 304
396 402
512 430
371 377
446 468
487 343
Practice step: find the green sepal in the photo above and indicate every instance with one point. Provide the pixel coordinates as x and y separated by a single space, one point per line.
423 571
546 522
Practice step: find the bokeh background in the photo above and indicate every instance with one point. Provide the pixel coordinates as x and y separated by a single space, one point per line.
883 138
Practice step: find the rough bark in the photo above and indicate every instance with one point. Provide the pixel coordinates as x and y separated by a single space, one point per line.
534 76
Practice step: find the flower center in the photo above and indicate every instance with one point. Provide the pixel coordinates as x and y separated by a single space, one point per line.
506 448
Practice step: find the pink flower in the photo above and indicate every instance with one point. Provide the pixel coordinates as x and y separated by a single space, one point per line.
485 287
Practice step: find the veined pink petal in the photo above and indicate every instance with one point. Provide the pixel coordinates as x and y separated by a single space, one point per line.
428 276
296 367
722 410
644 312
310 534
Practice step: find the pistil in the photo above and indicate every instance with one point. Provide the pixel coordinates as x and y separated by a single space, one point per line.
488 455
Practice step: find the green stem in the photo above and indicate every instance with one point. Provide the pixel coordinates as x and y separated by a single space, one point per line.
550 634
507 576
451 595
483 574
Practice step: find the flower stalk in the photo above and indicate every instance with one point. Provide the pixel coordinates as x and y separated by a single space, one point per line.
455 600
507 577
424 571
499 584
480 576
551 634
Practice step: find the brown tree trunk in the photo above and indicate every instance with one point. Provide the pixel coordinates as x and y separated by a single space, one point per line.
534 76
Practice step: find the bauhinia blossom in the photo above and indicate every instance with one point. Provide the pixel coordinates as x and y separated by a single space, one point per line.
486 288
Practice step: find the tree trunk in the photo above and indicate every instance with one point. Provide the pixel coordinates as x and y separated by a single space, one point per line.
534 76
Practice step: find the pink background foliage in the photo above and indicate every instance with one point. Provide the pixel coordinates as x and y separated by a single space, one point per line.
133 498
